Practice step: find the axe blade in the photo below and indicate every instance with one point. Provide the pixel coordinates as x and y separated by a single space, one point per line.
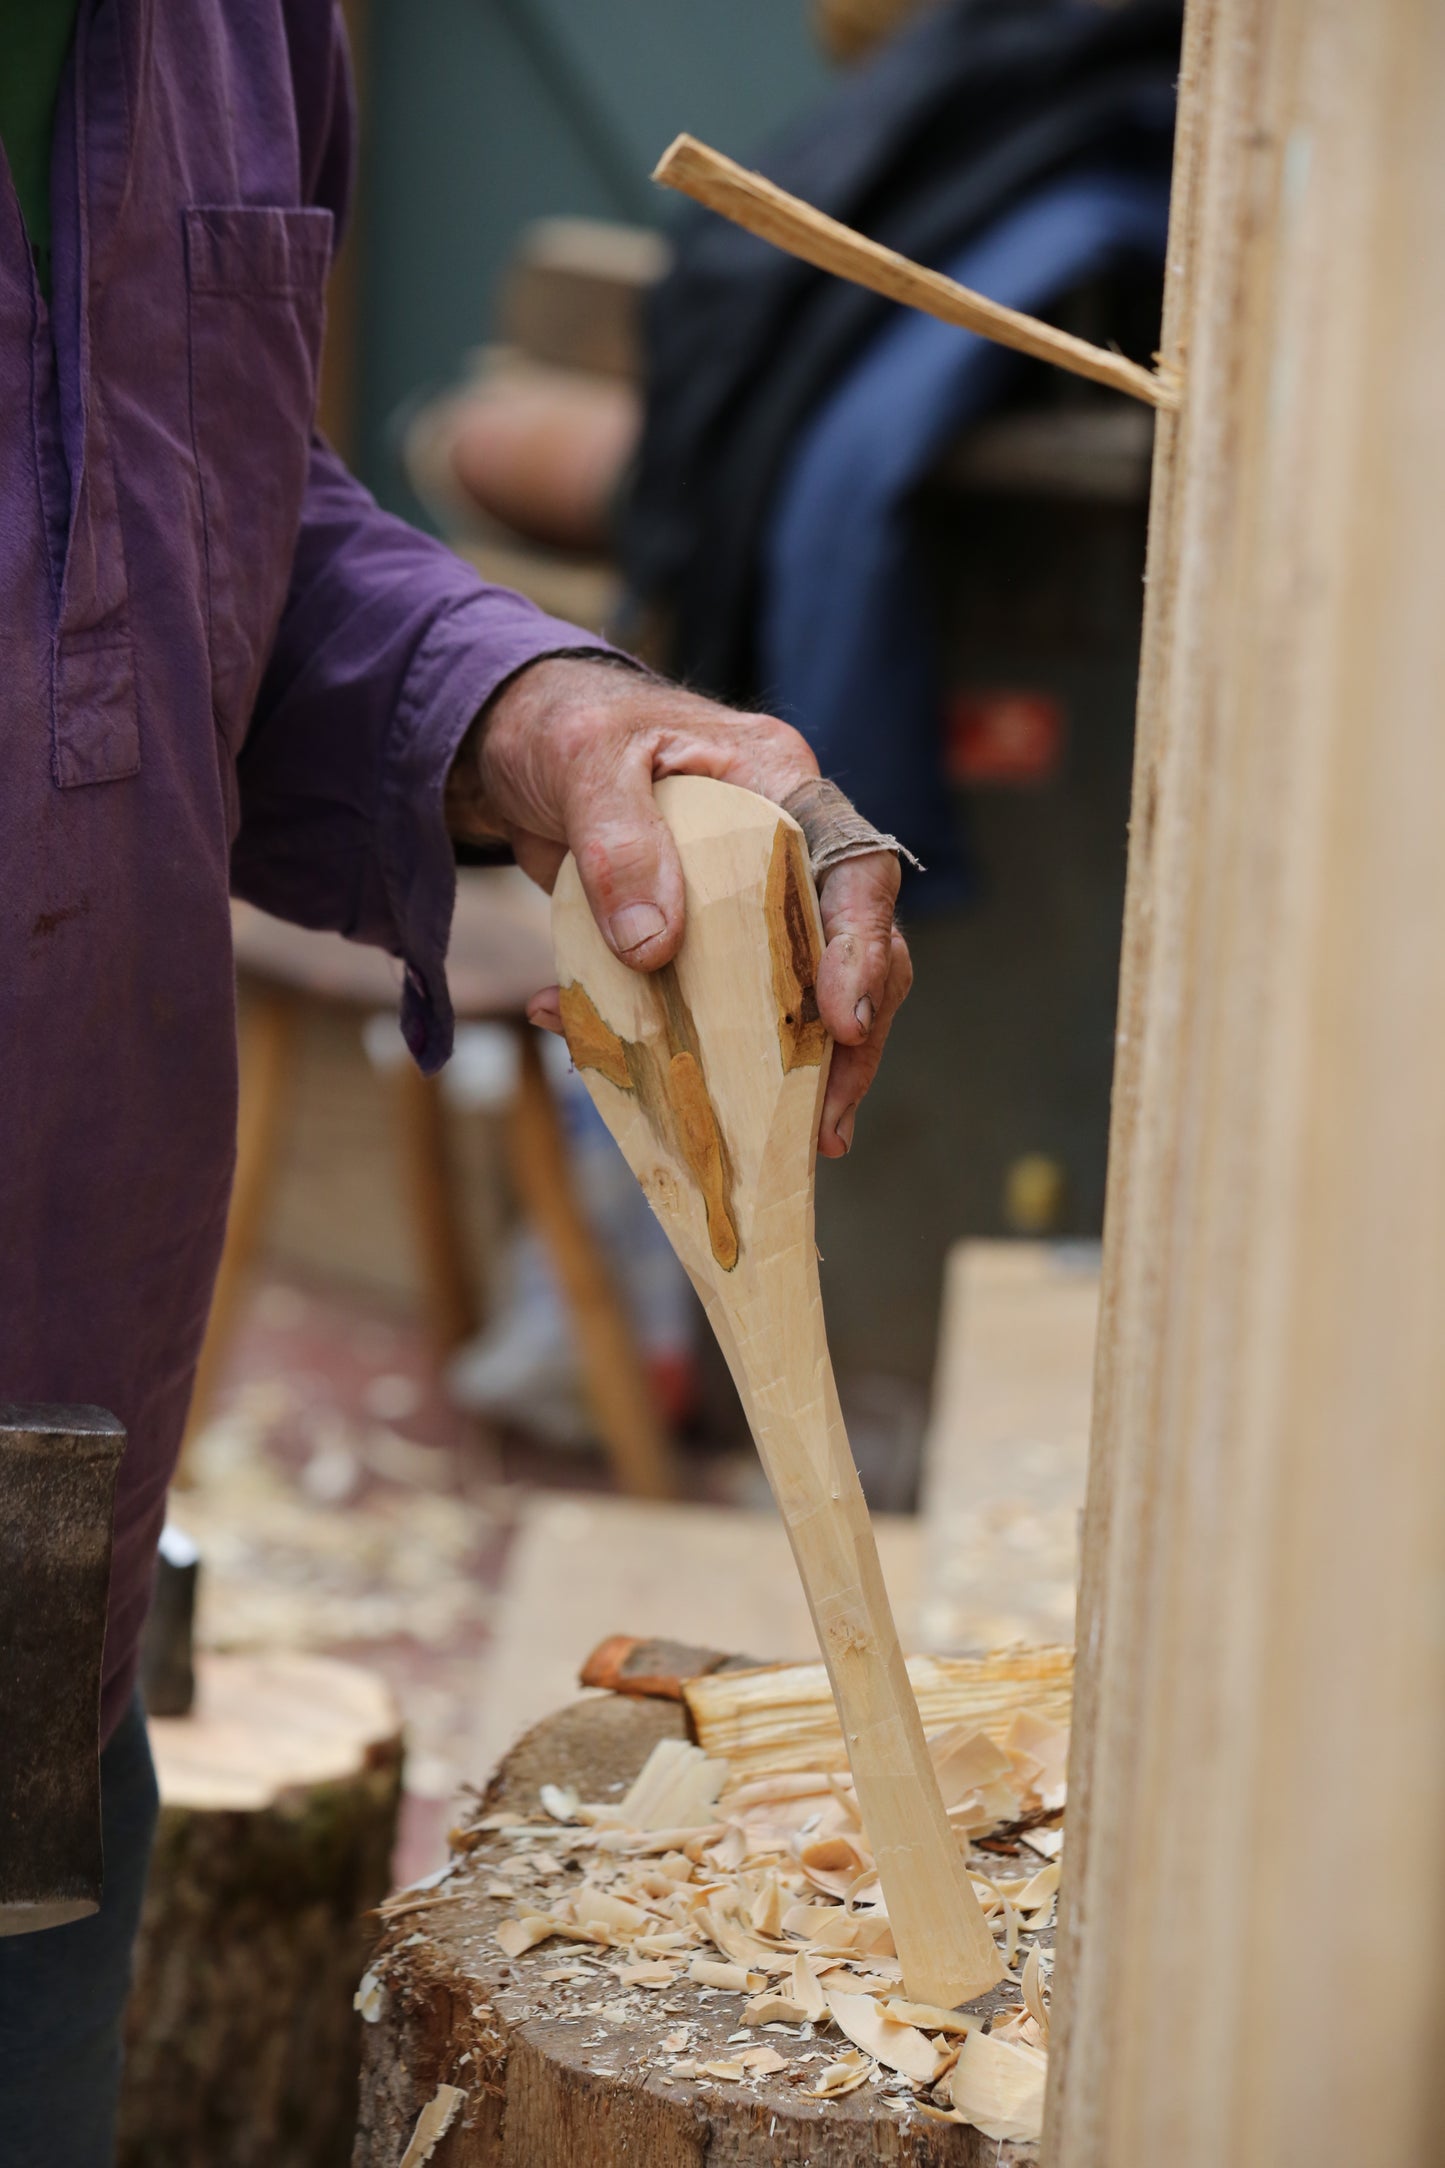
57 1484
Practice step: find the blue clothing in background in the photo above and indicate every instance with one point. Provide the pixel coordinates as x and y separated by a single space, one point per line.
848 652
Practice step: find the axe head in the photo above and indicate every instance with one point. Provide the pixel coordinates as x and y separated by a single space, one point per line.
57 1484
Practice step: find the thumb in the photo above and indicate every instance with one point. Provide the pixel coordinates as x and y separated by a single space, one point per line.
628 862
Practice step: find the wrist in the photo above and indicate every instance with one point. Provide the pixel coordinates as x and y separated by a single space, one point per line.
468 815
519 702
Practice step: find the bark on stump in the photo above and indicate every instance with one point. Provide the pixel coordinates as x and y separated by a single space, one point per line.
539 2088
279 1801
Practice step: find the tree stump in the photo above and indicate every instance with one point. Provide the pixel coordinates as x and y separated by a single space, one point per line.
279 1799
511 2070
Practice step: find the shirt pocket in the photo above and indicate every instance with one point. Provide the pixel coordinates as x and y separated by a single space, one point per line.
256 281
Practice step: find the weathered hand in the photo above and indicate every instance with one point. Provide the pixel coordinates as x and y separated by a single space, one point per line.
565 758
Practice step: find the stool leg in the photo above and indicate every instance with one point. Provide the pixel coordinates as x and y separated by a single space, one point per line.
267 1047
446 1273
622 1404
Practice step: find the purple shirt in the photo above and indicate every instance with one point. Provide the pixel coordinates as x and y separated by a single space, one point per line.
221 666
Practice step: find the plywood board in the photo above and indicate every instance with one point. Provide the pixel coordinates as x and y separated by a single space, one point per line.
1007 1445
583 1567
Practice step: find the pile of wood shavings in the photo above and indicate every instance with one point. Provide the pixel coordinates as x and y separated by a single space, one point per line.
766 1889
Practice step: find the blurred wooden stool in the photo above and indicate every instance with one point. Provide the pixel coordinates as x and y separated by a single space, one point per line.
500 955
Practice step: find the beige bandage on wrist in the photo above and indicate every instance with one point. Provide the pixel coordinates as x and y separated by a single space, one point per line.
835 829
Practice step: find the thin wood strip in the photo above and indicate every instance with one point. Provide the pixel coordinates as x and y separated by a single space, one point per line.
773 215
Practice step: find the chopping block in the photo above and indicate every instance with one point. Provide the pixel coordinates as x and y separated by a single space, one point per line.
57 1484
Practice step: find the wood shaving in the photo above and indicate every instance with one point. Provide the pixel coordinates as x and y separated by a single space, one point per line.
844 2076
929 2018
618 1919
676 1788
653 1972
897 2047
432 2125
1048 1744
1036 1894
998 2086
1031 1988
1048 1843
808 1988
1017 2024
965 1759
736 1978
518 1936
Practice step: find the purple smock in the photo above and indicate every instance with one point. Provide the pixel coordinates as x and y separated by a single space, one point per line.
221 668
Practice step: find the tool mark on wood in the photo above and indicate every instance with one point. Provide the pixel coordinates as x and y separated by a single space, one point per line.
793 946
702 1148
668 1078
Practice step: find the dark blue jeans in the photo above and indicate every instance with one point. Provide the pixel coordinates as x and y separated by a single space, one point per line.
62 1993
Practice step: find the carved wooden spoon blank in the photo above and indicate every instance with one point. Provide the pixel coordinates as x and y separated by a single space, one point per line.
710 1075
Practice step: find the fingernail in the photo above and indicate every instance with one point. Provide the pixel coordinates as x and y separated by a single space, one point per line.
843 1127
863 1015
634 924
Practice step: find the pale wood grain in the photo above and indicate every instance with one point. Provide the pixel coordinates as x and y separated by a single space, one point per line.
1260 1659
783 1716
719 1122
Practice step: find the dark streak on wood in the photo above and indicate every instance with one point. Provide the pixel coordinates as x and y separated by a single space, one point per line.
793 945
592 1042
702 1149
668 1076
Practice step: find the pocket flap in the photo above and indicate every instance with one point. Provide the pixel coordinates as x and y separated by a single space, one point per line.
257 248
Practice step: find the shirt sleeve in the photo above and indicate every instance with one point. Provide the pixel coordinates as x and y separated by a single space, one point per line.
388 648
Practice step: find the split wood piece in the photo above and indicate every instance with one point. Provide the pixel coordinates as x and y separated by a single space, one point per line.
57 1481
623 1664
710 1074
279 1800
559 2060
783 1717
1264 1549
773 215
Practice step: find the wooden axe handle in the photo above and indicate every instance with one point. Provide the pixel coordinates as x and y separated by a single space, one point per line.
710 1074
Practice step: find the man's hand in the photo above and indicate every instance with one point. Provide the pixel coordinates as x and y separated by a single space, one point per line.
565 757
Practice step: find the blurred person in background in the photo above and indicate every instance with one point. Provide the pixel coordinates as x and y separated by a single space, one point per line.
226 669
756 485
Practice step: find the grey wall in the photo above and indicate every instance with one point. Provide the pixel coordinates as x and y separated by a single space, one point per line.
482 114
